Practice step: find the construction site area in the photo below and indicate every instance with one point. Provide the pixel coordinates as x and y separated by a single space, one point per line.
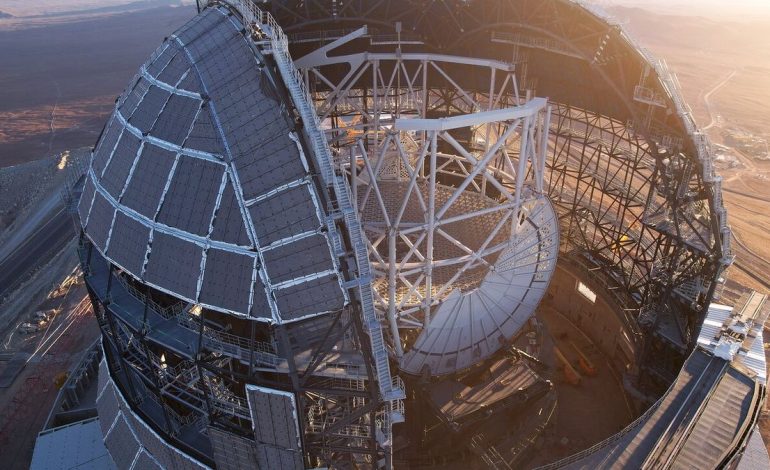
385 235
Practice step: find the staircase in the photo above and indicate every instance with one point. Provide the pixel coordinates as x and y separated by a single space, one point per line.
263 25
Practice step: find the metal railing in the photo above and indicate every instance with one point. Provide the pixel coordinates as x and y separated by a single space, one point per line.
340 383
534 42
166 312
263 25
319 421
233 345
222 399
178 421
646 95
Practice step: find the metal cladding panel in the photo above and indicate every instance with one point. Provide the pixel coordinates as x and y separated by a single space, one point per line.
154 445
251 102
183 463
305 256
128 243
204 135
284 214
106 145
200 25
227 280
175 69
275 428
77 446
260 308
232 452
272 457
174 264
176 119
100 221
755 456
250 113
121 443
207 187
160 58
221 56
319 295
192 194
274 417
119 167
229 225
719 423
190 82
133 96
107 407
144 461
144 191
102 376
264 165
149 108
86 199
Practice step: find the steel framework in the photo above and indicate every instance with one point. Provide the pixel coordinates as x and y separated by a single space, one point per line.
628 171
443 201
440 182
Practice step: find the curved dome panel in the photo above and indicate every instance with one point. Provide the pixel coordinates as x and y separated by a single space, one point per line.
199 185
468 328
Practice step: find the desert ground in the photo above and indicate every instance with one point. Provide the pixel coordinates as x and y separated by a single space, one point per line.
724 70
61 72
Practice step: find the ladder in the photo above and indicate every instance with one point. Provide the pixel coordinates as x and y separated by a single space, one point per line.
263 25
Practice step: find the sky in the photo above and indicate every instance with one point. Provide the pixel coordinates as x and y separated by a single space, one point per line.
732 9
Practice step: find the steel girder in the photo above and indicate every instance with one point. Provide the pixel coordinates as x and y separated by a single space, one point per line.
630 174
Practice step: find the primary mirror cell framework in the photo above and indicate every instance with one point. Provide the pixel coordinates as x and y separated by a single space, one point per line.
461 238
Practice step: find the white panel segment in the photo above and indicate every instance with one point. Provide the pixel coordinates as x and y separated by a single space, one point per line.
467 328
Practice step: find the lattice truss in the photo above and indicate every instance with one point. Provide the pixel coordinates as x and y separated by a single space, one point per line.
646 216
448 205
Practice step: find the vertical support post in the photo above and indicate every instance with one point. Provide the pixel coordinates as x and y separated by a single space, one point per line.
522 168
392 265
375 104
424 134
252 345
145 326
543 154
431 228
353 176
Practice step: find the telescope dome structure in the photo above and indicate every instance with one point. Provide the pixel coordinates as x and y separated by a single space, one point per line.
315 234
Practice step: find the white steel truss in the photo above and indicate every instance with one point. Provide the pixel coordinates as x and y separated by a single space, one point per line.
446 203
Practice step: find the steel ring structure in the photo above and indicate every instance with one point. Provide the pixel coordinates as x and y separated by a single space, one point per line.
461 235
289 258
630 175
